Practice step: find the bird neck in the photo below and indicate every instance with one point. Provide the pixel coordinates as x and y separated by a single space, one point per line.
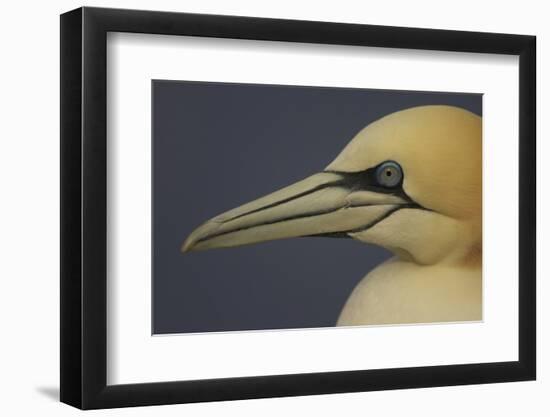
460 254
399 291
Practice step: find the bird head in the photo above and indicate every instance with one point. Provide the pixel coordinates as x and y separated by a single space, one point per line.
409 182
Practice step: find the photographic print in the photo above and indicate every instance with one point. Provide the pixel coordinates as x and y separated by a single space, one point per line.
291 207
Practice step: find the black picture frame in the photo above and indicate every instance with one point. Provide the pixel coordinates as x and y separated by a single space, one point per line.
84 197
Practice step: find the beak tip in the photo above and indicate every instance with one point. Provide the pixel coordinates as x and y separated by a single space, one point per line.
187 246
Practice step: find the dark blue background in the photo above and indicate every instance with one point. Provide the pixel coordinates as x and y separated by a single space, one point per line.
217 146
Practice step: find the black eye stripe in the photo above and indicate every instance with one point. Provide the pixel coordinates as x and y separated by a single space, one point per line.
369 180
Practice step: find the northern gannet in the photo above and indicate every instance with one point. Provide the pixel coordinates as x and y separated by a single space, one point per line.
409 182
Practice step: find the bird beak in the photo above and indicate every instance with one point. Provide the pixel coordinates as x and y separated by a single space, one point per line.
325 204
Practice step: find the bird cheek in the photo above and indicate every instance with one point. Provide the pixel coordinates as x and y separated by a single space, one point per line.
425 236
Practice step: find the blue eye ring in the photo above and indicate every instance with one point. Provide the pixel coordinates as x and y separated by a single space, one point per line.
389 174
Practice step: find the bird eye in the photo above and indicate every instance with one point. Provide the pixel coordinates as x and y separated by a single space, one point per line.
389 174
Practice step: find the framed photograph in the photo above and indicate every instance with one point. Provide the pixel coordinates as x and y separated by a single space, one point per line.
258 208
